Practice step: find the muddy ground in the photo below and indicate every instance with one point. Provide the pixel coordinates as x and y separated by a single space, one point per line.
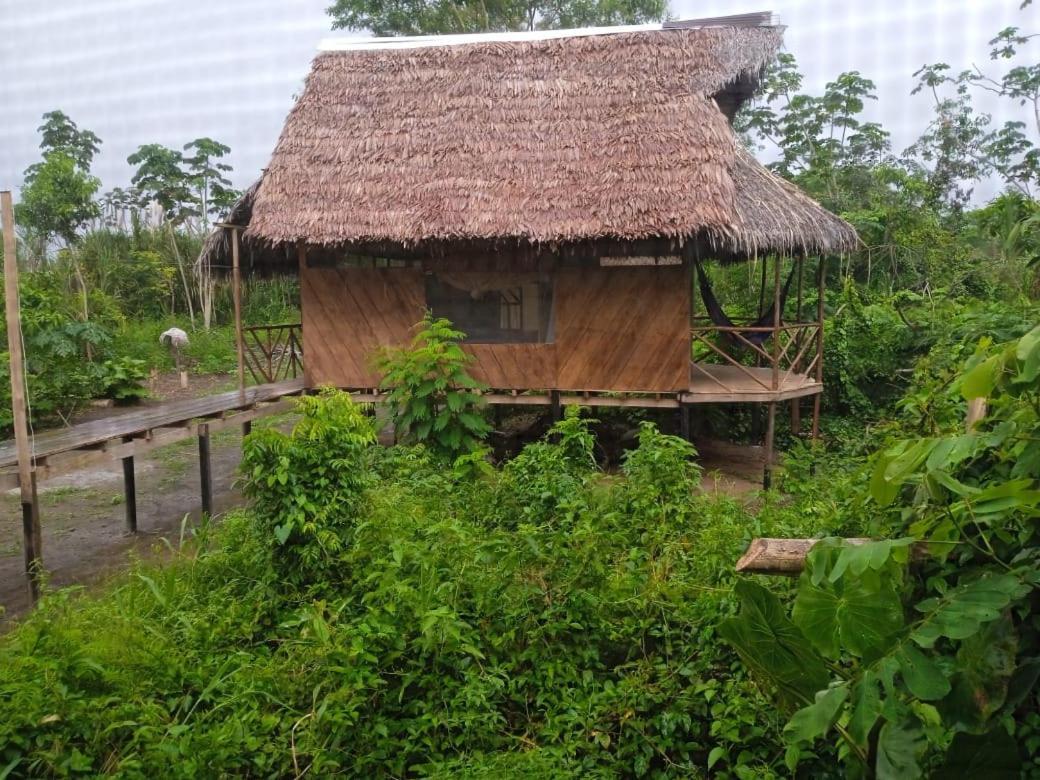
83 514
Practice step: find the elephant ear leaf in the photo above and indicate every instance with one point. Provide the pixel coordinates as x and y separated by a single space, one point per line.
773 647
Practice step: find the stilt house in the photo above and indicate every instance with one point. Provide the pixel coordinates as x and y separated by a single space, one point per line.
556 195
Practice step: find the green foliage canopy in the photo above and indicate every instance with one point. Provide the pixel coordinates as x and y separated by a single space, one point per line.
430 17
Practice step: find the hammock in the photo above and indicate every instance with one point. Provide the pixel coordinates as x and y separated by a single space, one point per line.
720 318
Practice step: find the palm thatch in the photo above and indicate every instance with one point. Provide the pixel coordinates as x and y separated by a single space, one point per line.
534 143
255 257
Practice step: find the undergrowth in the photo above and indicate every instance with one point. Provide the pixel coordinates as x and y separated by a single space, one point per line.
543 619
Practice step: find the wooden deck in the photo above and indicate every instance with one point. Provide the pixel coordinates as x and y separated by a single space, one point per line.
711 383
139 430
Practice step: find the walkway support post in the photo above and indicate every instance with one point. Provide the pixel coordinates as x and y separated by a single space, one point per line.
31 535
205 472
767 472
130 494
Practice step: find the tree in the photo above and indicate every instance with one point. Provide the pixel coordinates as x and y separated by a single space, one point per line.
58 192
960 146
160 177
60 134
58 198
206 176
426 17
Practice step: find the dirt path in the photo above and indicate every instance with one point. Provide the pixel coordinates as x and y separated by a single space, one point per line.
83 518
82 513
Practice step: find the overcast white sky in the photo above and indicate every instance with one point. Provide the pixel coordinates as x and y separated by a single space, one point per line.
168 71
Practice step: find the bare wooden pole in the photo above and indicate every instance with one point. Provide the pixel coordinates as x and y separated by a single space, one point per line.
776 323
130 494
240 342
767 471
236 282
205 471
821 278
26 471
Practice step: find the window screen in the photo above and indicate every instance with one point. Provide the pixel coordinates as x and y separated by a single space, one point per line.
492 307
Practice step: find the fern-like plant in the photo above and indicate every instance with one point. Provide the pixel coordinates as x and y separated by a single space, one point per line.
432 398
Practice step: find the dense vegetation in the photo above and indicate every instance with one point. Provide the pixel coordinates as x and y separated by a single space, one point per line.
102 277
425 610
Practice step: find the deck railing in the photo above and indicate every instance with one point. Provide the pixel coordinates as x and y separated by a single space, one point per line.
792 349
273 352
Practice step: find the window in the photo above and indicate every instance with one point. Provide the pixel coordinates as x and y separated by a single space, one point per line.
493 307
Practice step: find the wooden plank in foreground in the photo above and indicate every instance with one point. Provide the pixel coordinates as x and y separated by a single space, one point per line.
787 556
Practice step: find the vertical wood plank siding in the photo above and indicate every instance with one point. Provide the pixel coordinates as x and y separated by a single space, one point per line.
622 329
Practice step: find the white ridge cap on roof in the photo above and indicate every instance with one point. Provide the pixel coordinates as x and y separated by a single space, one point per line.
422 41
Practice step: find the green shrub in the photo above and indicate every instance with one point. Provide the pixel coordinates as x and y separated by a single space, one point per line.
432 399
121 379
307 486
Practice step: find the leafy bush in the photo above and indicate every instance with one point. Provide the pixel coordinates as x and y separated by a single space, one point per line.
418 625
923 670
121 379
432 399
307 486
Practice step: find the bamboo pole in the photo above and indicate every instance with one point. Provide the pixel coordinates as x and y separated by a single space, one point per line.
236 287
26 471
776 323
236 280
821 279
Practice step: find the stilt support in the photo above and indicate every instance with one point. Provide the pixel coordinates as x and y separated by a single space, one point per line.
796 416
205 473
816 417
32 539
684 422
130 494
554 403
767 472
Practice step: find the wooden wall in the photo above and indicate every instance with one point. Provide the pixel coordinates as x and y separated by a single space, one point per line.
349 313
621 329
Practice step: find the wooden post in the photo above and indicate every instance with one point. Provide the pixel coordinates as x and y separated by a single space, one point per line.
32 538
554 405
684 421
205 474
821 277
130 494
776 323
240 344
767 471
236 282
787 556
796 416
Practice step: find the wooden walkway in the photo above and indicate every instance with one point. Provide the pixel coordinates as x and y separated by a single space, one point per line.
139 430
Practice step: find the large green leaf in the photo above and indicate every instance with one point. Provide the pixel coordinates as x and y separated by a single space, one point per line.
922 675
773 647
815 720
862 614
866 708
899 746
962 611
980 380
993 756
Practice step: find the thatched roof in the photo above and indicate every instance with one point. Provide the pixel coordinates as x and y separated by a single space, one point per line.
254 256
551 142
